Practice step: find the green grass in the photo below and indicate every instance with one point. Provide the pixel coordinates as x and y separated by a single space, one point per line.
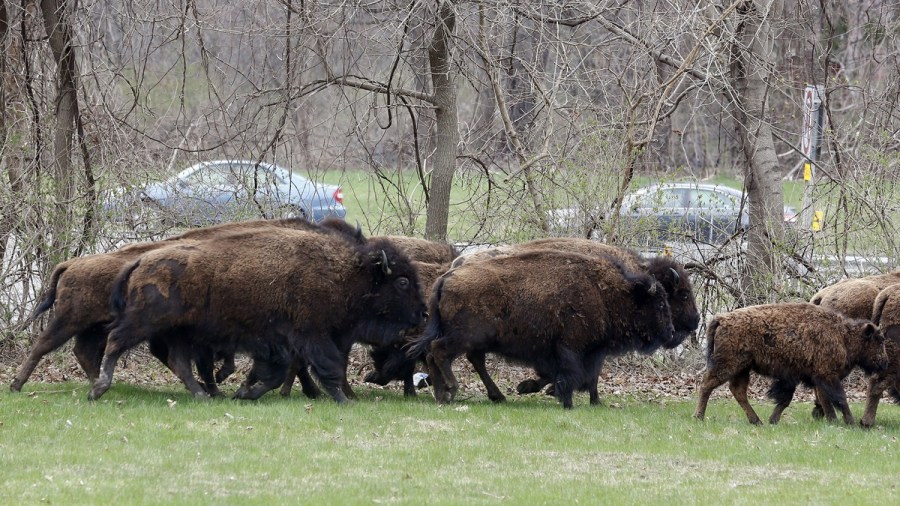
133 447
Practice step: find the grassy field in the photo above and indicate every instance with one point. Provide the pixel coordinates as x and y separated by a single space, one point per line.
157 445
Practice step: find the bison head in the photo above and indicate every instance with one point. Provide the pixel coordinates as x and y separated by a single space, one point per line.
679 293
873 356
652 319
394 299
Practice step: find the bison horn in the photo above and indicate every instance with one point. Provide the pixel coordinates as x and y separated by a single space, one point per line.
675 275
384 264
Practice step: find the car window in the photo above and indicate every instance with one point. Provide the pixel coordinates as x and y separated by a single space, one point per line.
207 176
711 199
668 198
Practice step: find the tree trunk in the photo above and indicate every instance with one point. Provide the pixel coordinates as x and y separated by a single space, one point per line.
59 35
753 63
446 138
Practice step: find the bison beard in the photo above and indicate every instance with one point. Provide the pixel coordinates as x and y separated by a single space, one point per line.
558 312
276 294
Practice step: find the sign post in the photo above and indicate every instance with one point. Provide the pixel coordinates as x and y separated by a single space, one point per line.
811 146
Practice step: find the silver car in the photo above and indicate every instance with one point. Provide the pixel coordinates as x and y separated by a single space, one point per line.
234 190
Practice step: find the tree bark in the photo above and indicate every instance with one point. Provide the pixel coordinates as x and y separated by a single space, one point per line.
59 36
752 68
446 138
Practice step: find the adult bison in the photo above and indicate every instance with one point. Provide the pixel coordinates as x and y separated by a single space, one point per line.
275 293
556 311
80 289
431 259
671 274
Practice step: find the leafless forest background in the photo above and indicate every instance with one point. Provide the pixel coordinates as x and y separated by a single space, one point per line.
523 107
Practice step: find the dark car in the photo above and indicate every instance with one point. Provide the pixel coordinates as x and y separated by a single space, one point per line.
688 211
234 190
681 212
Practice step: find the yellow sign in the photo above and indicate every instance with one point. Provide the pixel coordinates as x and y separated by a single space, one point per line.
818 218
807 171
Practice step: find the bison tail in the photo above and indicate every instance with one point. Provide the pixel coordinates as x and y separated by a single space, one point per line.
711 342
419 347
120 286
50 295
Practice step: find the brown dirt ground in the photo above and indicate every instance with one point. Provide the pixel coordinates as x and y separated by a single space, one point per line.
661 376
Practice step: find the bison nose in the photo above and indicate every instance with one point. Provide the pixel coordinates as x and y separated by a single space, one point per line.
425 315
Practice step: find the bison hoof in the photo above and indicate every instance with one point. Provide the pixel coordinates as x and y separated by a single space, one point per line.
818 413
756 421
529 386
15 387
866 423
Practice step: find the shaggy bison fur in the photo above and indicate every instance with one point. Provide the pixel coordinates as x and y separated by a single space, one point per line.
275 293
793 343
885 314
391 362
671 274
80 289
431 259
556 311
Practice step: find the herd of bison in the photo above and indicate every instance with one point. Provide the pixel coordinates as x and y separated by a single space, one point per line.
295 296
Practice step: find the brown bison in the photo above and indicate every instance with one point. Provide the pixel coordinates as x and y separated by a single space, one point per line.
80 289
793 343
668 272
274 293
391 362
885 314
431 259
852 298
556 311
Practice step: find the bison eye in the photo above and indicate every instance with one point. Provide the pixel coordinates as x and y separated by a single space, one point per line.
402 283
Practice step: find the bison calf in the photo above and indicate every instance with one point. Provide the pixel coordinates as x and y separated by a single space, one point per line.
793 343
558 312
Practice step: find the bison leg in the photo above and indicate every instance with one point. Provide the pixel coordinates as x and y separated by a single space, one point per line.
877 385
120 339
329 365
477 359
441 357
205 359
570 375
268 375
595 364
438 386
711 380
292 372
834 392
782 395
227 369
532 385
88 350
300 369
180 364
55 335
738 386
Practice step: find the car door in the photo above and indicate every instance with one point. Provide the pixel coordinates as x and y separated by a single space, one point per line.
663 208
714 214
208 193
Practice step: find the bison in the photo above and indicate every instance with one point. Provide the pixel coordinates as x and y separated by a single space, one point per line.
391 362
559 312
885 314
274 293
80 289
793 343
431 259
668 272
852 298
